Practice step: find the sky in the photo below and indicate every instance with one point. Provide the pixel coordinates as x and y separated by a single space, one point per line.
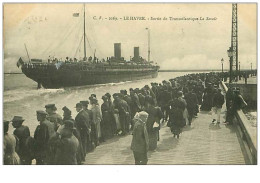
52 30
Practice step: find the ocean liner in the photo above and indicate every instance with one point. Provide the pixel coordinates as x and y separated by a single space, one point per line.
89 71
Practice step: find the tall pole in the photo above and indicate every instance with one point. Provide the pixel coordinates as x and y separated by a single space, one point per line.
222 61
149 51
234 40
230 71
84 37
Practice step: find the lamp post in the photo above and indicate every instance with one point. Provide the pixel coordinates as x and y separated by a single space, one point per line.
222 61
230 55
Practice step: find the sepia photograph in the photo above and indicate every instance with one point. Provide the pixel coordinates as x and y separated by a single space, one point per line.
129 83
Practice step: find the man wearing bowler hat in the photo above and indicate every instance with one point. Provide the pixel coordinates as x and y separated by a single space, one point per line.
89 115
22 132
42 134
81 123
53 116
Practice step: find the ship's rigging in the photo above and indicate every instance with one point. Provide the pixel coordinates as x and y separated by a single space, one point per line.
74 32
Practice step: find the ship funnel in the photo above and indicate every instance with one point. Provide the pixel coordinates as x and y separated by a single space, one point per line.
117 50
136 52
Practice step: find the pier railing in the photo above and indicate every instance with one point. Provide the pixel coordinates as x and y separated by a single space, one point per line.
248 136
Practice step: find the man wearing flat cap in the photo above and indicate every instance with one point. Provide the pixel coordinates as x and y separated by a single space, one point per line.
53 116
42 134
22 132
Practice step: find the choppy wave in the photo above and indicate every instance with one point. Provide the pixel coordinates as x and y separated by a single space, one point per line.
19 94
23 93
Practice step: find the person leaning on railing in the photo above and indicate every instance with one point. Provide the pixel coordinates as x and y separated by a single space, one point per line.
235 104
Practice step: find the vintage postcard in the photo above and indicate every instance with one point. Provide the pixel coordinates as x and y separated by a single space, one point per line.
129 83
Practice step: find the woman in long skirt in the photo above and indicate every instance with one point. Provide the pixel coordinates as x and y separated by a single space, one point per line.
10 145
153 122
107 119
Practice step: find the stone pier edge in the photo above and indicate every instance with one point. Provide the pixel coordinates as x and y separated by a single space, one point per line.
248 138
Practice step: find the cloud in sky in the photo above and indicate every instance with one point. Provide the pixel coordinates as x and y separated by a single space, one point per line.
50 29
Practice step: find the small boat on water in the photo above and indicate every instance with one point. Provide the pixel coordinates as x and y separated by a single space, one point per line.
69 72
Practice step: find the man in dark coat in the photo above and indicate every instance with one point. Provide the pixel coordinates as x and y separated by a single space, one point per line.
42 134
22 132
135 105
154 89
83 126
192 104
165 105
107 119
141 99
67 146
89 113
111 111
129 101
53 116
127 98
237 103
123 110
177 120
207 98
67 116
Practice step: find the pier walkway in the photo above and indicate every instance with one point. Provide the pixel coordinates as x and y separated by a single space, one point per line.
200 143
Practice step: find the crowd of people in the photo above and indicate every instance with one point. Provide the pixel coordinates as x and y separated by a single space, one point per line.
141 113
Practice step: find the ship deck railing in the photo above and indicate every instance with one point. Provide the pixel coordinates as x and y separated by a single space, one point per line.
86 65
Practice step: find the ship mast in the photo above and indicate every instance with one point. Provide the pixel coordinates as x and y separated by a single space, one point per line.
149 51
84 37
27 53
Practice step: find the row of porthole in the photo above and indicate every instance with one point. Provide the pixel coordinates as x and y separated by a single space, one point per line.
80 68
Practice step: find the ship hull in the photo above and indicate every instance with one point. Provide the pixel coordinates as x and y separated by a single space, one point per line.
55 78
